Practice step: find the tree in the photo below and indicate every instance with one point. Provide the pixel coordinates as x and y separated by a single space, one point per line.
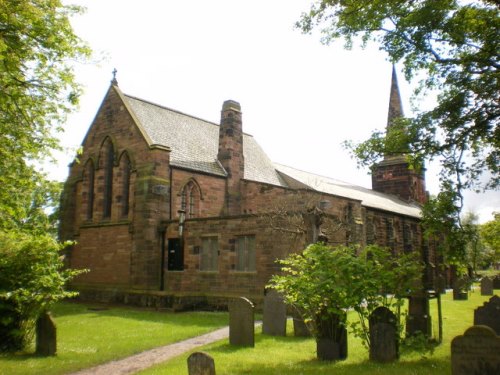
490 236
454 46
327 281
37 90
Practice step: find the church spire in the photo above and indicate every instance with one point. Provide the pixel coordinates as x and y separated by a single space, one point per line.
395 105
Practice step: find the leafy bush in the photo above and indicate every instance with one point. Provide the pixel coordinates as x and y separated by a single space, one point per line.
324 281
31 279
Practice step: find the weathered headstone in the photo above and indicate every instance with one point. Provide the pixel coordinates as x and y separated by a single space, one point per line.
300 328
241 322
486 286
274 317
477 352
46 340
200 363
331 340
489 314
496 282
419 318
384 343
440 284
460 289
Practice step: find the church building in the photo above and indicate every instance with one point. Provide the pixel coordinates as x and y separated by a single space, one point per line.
166 208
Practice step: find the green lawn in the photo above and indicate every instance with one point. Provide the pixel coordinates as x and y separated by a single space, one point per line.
87 337
290 355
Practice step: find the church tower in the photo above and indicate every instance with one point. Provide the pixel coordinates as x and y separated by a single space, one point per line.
394 175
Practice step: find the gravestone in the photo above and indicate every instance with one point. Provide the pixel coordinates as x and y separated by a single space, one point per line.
460 289
486 286
46 341
331 340
300 328
419 318
274 317
496 282
241 322
489 314
477 352
384 343
200 363
440 284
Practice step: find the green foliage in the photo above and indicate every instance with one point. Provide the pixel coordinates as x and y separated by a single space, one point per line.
31 280
490 236
452 46
329 281
37 90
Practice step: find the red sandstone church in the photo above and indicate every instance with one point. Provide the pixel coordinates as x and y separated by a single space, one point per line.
167 207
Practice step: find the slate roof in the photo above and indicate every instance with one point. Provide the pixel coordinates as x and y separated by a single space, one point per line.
368 197
194 142
194 146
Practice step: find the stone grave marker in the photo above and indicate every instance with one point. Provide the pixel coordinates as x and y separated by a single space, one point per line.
384 343
46 340
200 363
460 289
331 342
441 284
477 352
241 322
274 317
486 286
489 314
300 328
496 282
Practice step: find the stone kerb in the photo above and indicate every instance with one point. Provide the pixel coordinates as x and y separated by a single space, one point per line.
200 363
476 352
274 317
489 314
241 322
46 338
384 343
486 286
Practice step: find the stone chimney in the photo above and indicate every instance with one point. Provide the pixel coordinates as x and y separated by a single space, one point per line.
230 154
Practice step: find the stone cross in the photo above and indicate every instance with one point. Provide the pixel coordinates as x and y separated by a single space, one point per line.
384 342
46 342
241 322
476 352
489 314
200 363
274 317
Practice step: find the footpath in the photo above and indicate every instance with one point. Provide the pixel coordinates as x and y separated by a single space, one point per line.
148 358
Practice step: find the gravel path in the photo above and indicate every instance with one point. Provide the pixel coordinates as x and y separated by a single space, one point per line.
137 362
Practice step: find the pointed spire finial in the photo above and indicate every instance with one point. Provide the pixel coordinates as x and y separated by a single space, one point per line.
395 105
114 82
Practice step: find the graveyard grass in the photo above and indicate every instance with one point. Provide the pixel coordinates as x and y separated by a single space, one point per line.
290 355
88 337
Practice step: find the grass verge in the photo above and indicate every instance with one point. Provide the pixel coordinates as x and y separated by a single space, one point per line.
88 336
290 355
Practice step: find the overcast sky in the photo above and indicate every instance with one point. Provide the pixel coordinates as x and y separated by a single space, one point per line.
299 98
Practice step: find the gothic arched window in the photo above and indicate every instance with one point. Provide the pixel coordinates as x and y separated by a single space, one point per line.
190 199
88 189
108 164
125 170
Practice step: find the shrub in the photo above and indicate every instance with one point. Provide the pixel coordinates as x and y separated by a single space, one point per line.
31 279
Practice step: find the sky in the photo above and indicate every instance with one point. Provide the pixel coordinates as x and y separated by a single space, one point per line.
300 99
